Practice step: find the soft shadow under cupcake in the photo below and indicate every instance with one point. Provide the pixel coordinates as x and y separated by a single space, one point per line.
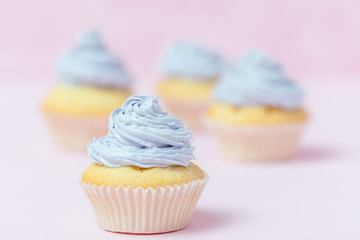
206 219
316 153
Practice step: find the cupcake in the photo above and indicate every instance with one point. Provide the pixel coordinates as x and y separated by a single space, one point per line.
189 73
257 113
142 179
93 83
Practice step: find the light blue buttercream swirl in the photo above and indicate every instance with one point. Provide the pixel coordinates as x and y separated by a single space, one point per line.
258 81
141 134
91 63
191 61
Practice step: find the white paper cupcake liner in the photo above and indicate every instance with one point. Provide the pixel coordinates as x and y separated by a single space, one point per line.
257 143
190 111
75 132
144 211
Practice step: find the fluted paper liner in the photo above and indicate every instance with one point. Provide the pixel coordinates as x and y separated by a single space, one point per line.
258 142
74 131
138 210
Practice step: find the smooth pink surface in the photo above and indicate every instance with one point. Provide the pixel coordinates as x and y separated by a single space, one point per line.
314 196
311 37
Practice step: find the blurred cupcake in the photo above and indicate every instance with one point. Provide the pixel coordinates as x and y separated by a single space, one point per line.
257 114
142 179
189 73
93 83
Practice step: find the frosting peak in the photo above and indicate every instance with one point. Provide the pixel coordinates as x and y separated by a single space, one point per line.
258 81
91 63
189 60
141 134
92 39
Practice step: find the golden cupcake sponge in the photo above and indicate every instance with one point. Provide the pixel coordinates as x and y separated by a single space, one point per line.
141 177
80 100
183 89
234 115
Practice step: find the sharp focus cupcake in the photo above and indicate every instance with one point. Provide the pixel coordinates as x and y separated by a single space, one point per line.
258 113
189 73
93 83
142 179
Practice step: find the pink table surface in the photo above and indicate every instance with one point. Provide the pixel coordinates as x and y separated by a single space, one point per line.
314 196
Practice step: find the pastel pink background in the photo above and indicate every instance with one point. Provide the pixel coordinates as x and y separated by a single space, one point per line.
311 37
314 196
